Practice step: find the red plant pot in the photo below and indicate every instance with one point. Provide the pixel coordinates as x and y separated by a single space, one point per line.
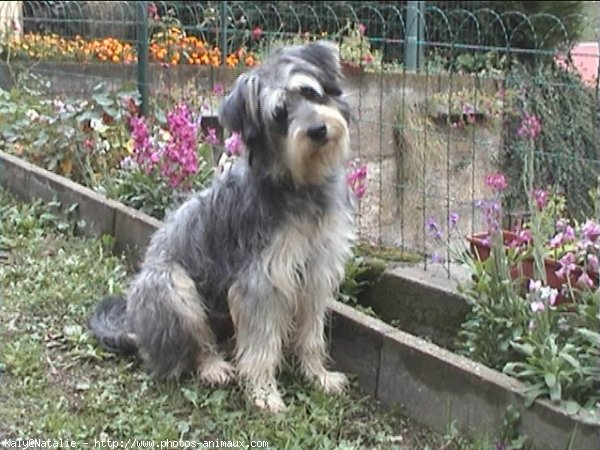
557 282
481 248
480 245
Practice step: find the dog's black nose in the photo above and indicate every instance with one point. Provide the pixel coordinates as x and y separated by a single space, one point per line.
317 132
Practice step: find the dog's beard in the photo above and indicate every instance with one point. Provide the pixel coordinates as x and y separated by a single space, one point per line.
311 161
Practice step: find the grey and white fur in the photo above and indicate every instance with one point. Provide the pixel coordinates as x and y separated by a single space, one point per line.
265 244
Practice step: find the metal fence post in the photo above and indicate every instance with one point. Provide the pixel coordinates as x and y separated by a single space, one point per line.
415 34
142 54
223 14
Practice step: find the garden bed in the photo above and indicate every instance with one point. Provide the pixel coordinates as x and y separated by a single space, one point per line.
58 384
431 384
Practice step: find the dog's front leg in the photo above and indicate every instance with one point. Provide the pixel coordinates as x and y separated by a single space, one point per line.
311 348
259 333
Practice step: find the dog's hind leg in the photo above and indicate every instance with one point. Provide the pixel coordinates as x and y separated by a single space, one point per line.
172 327
260 331
309 343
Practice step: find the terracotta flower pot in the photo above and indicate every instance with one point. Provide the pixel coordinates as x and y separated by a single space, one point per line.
481 248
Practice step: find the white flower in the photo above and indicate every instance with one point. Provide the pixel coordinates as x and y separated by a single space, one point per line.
537 306
535 285
96 124
32 114
548 295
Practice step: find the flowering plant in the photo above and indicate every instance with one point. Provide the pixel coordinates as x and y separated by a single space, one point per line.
166 160
355 48
521 328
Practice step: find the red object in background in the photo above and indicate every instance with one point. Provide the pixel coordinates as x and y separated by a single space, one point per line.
481 247
585 59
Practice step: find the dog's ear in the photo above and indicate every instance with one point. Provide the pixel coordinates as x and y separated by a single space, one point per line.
326 56
240 110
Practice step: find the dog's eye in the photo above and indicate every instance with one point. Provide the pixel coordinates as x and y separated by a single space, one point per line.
310 94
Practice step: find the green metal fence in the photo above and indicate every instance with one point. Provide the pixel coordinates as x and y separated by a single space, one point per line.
440 89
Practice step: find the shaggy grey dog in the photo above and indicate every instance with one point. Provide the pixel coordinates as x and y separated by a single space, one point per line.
265 245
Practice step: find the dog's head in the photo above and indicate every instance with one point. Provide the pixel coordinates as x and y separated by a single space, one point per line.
291 114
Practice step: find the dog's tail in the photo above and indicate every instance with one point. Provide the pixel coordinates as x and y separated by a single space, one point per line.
108 323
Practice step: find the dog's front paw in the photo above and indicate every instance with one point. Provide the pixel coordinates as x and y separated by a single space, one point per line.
216 371
332 382
268 399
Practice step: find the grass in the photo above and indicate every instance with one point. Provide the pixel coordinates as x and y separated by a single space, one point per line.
56 383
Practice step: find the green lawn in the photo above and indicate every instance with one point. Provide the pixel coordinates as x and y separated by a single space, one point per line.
57 384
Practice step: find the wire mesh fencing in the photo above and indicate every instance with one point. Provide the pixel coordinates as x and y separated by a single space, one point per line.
444 93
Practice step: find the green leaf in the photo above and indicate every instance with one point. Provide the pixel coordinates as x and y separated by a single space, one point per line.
555 392
592 337
550 380
190 395
526 349
571 407
217 397
568 358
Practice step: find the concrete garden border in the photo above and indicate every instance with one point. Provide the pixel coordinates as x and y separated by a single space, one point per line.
429 383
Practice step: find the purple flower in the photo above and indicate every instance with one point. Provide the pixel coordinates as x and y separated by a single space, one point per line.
433 228
592 261
567 264
563 237
218 89
591 231
585 279
437 258
540 197
569 234
453 219
211 137
530 127
234 144
492 214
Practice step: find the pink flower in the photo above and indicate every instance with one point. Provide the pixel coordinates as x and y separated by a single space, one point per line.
153 12
211 137
567 264
362 29
585 279
234 145
591 231
530 127
569 234
496 181
563 237
540 197
356 179
535 285
537 306
524 236
218 89
368 58
592 261
257 33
